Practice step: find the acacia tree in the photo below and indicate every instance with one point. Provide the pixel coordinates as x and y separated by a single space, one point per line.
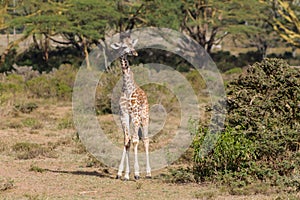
3 14
259 32
210 21
87 22
38 19
286 20
80 23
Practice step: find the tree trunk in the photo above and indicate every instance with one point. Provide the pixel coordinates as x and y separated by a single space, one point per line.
10 46
294 52
86 53
46 49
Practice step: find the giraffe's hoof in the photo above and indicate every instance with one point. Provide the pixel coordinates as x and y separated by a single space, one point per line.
136 177
118 177
148 177
126 179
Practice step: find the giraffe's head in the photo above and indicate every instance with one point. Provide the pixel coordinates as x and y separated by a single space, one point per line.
126 46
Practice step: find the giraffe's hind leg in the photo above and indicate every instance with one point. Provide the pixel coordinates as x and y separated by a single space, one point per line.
145 125
135 142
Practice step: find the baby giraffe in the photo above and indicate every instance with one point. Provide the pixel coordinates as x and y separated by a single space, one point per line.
134 108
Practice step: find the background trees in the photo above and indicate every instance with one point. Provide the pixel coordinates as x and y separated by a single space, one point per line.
208 22
80 24
286 20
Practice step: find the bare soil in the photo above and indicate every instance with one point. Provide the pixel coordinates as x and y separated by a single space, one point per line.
58 167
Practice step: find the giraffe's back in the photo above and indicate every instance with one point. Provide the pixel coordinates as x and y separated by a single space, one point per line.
138 101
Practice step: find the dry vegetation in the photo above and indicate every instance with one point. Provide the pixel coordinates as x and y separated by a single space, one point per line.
41 157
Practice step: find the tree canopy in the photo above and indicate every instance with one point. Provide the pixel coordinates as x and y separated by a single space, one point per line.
286 21
82 23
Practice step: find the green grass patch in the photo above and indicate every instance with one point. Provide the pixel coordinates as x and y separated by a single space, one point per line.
66 122
236 70
32 123
34 168
27 150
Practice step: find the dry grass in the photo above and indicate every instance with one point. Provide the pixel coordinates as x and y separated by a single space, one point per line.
74 174
41 157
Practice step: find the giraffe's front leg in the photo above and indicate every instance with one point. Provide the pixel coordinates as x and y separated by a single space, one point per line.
121 166
125 155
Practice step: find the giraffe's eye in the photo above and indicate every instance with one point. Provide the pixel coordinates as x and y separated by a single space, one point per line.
127 50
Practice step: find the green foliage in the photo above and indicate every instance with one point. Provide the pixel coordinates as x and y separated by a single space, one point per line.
197 82
59 56
89 18
208 22
58 84
11 87
16 90
179 175
226 61
14 84
233 153
42 86
104 91
261 139
235 70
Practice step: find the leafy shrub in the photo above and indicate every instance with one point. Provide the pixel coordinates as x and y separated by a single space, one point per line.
197 82
57 57
42 86
226 61
261 139
233 152
104 91
58 84
9 61
11 86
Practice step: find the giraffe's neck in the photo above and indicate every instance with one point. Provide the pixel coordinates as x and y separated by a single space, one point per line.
129 84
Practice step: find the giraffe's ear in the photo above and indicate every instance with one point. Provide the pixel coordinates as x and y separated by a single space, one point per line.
134 42
116 45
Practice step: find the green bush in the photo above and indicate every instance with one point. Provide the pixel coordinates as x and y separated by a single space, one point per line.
261 138
57 57
58 84
11 87
42 86
233 152
105 89
197 82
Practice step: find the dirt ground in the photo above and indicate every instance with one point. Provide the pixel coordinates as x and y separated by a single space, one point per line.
41 158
